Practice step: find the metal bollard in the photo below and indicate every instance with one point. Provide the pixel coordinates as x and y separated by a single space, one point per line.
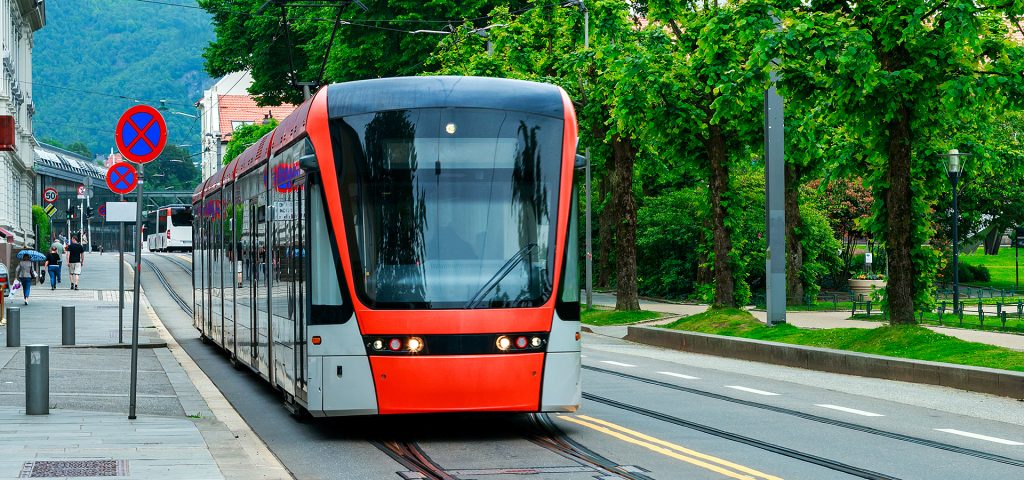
13 327
67 325
37 380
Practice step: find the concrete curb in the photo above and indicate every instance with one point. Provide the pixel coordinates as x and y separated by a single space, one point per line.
976 379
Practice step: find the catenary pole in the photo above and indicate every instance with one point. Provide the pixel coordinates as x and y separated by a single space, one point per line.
774 165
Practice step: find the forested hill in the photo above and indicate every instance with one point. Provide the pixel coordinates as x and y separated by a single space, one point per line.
93 52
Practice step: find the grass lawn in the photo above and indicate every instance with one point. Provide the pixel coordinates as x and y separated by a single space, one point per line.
1000 266
603 317
908 341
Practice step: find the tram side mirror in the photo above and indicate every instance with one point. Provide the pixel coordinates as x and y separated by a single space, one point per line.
581 162
308 163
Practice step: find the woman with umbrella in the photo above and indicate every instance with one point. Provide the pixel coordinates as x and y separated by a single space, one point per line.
26 271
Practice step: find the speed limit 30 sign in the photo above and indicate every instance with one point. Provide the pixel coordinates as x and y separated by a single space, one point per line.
50 195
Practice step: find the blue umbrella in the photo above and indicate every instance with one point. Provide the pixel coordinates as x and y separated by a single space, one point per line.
32 255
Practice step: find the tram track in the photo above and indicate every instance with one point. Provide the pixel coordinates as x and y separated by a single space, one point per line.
547 435
544 433
179 263
807 416
185 306
552 438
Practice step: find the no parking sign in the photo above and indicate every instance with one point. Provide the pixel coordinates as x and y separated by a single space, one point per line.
141 134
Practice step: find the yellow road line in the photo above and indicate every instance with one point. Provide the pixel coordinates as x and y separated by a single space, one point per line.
666 448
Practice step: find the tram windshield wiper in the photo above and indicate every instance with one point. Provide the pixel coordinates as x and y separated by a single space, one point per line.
500 275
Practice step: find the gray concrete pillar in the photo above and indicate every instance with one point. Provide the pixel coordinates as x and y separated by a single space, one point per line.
13 327
37 380
67 325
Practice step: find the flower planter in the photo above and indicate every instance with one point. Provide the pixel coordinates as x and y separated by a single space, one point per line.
864 287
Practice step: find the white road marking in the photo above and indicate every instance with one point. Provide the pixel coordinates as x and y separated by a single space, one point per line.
609 362
583 356
751 390
849 410
679 375
979 436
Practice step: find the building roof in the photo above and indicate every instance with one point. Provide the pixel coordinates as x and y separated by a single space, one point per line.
242 108
61 163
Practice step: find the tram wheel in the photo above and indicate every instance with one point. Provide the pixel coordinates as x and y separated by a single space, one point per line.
203 338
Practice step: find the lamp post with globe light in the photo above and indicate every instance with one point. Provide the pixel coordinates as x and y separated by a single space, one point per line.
954 170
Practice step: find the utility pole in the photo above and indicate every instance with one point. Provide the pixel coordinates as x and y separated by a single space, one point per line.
775 206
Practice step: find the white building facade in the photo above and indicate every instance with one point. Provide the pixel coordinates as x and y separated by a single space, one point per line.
213 140
225 107
19 20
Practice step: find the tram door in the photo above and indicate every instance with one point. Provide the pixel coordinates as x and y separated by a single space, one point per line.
261 327
298 291
288 287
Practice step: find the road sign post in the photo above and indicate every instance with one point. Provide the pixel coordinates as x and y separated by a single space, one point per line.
140 137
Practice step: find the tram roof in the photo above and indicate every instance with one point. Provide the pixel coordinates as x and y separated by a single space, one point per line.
256 153
402 93
198 194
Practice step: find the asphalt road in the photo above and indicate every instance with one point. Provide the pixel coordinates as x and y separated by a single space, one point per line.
657 413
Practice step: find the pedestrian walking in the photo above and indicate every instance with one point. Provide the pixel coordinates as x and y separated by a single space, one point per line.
76 260
53 267
59 245
26 273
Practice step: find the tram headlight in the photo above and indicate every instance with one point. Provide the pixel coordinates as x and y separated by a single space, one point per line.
378 344
535 342
503 343
415 344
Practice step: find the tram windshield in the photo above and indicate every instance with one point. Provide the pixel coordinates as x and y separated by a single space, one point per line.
450 208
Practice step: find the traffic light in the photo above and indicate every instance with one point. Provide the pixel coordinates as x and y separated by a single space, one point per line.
71 213
88 212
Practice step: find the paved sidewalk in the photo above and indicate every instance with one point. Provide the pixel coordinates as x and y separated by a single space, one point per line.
818 320
185 429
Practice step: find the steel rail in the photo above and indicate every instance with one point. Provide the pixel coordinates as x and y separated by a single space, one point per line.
411 456
771 447
817 418
552 438
170 290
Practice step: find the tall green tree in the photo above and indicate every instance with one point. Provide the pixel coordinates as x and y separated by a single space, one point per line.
283 43
545 42
705 109
905 77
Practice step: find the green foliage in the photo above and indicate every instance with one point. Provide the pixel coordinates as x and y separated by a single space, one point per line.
246 135
94 58
373 42
669 236
172 170
908 80
612 317
895 341
41 225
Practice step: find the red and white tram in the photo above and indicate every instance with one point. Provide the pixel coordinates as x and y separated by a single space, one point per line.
402 245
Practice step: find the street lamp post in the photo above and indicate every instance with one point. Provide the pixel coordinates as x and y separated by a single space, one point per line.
954 170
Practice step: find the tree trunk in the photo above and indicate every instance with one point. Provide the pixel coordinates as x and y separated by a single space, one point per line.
899 220
794 248
605 233
725 285
625 235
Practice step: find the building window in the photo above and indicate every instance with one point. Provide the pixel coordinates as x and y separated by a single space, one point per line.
236 124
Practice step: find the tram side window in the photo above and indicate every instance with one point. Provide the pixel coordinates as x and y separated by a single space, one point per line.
327 302
568 304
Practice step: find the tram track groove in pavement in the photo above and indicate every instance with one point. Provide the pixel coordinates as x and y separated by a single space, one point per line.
771 447
185 306
817 418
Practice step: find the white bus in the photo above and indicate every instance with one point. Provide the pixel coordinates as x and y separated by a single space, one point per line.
173 224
